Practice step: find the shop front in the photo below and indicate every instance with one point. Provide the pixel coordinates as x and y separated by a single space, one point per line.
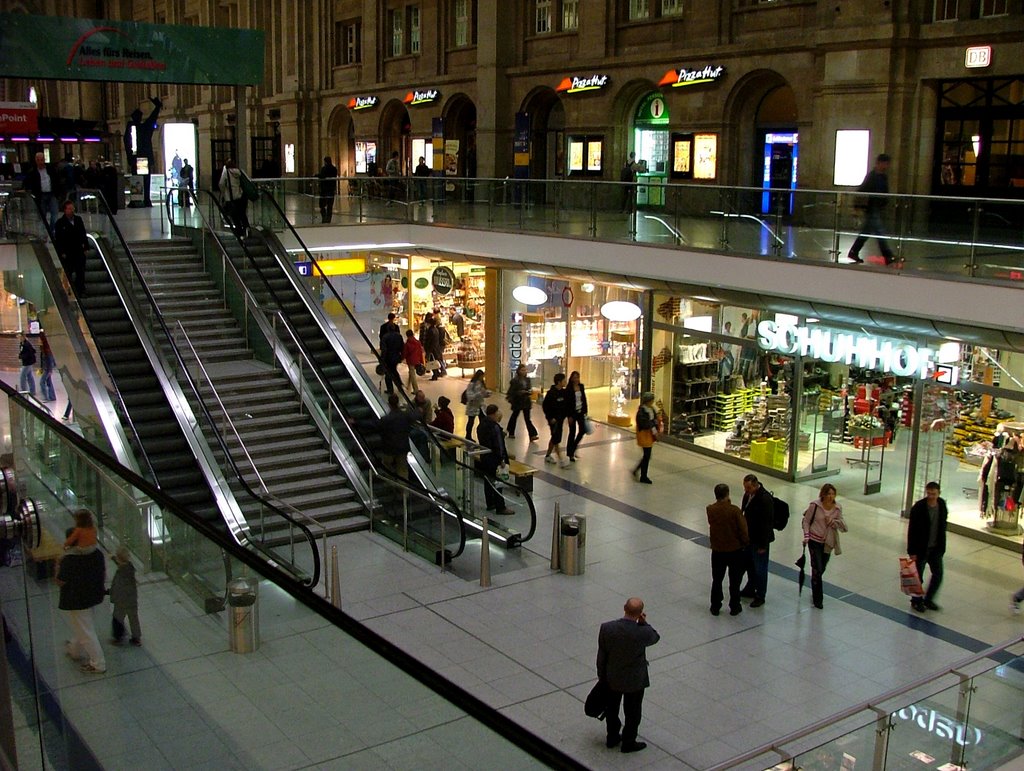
561 325
879 412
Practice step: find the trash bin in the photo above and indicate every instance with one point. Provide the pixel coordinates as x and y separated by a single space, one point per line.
572 544
243 615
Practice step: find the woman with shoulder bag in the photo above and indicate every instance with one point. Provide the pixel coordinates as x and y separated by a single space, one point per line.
577 414
822 523
235 200
646 435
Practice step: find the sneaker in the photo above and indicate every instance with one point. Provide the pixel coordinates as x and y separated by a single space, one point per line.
89 669
549 459
564 463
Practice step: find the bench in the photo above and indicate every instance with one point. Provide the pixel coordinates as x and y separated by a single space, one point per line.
522 474
46 555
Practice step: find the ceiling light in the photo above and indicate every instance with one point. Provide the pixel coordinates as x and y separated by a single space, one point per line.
621 310
530 295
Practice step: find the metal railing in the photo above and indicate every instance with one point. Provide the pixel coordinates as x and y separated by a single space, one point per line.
980 238
879 716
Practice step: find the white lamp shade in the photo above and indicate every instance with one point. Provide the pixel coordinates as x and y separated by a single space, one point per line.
530 295
621 310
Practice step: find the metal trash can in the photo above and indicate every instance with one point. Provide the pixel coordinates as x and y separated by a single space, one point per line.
572 544
243 615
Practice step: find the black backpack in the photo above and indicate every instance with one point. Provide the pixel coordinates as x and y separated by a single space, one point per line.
780 513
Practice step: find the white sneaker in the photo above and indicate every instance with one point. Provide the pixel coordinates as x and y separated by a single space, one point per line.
549 459
564 463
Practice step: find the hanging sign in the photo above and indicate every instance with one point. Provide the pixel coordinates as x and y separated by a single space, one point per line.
427 96
686 77
18 118
577 85
864 351
362 102
443 280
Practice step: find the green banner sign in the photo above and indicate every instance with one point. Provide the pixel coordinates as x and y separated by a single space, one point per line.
57 47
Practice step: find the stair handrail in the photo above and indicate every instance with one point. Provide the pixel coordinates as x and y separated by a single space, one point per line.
242 525
273 501
265 195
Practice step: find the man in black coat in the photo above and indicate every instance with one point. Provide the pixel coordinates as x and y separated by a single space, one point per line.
328 176
82 575
926 542
622 665
876 181
757 510
70 240
391 348
490 435
43 182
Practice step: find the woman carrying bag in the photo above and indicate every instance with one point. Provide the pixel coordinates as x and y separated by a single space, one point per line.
822 523
646 436
577 414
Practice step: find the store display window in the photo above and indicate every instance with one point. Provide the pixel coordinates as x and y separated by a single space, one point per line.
456 291
595 329
585 155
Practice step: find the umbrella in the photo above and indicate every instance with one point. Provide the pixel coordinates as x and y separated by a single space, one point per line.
802 564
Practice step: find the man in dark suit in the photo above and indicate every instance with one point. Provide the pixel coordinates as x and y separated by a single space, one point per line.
757 508
727 530
69 238
490 435
622 666
926 542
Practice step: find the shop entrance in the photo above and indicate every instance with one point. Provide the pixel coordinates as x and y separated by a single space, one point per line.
460 126
395 136
341 136
547 140
778 142
651 144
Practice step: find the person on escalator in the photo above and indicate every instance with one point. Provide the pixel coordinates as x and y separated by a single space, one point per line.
391 350
490 434
234 198
70 239
395 428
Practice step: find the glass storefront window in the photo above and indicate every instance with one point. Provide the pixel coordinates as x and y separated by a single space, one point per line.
569 332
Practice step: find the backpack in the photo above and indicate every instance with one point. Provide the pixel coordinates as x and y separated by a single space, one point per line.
780 513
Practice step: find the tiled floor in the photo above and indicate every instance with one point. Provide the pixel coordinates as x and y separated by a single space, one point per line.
527 645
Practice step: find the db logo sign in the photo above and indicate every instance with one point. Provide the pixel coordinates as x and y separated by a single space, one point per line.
978 56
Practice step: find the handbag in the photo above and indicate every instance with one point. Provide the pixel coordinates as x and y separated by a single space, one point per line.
645 437
588 425
432 365
597 701
910 580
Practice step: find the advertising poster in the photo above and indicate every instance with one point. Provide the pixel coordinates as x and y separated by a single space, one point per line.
451 157
705 156
594 156
681 156
575 155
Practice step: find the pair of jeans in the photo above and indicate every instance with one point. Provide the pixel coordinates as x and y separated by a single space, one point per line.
27 380
933 560
632 710
819 561
731 562
576 434
46 388
757 571
511 427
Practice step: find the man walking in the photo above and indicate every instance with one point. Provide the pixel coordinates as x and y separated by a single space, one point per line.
70 240
622 666
328 176
926 542
877 181
757 510
727 531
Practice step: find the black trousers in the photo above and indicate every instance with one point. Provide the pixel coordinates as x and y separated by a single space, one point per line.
495 500
819 561
933 560
733 562
511 427
576 434
632 710
644 463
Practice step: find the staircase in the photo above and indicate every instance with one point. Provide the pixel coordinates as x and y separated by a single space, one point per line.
289 453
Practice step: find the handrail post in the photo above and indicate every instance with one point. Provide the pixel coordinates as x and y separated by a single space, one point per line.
972 267
335 588
444 546
593 209
485 554
837 200
554 537
963 703
405 519
883 727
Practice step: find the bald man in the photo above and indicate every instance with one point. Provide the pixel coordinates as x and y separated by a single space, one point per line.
622 665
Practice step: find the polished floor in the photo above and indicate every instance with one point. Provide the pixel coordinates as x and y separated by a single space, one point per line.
527 644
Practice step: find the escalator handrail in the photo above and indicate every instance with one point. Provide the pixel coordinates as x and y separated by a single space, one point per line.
124 414
382 473
310 538
264 194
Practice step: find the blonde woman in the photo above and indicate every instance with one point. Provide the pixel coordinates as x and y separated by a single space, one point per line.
822 520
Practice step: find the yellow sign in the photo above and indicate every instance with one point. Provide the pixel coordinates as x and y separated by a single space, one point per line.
344 267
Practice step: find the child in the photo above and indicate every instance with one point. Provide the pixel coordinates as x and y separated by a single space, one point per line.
124 594
84 534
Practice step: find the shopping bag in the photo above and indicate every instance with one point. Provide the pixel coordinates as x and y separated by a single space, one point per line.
910 581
